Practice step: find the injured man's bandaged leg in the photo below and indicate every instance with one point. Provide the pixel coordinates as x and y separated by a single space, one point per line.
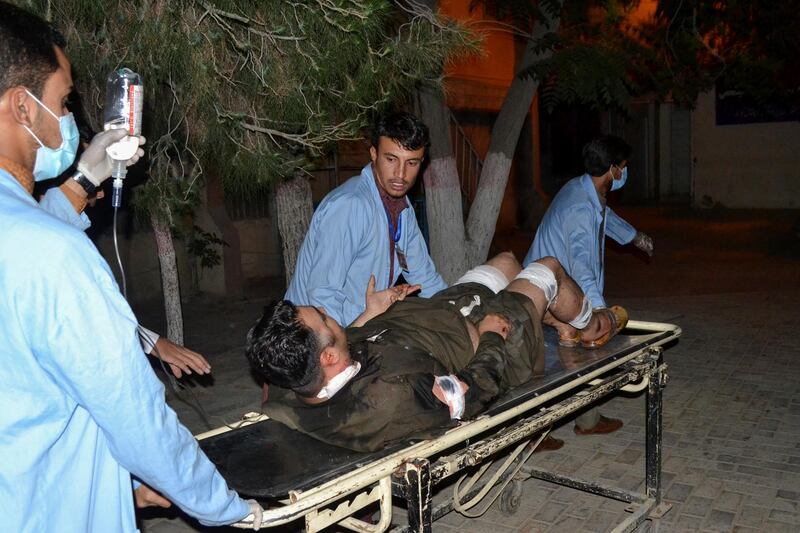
544 277
485 275
494 273
563 305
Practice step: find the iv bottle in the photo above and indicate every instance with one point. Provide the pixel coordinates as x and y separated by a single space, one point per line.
123 109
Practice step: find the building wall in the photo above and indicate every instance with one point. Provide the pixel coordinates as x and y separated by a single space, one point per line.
261 252
476 87
494 64
139 257
674 147
745 165
260 256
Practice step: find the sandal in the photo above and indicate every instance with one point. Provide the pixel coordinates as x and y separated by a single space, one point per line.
569 342
618 317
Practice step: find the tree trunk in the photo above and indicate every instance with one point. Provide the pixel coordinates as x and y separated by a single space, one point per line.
455 247
169 279
505 135
443 190
443 204
294 209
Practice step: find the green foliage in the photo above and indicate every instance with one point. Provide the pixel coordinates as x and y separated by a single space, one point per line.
582 73
201 244
750 46
587 60
599 58
251 90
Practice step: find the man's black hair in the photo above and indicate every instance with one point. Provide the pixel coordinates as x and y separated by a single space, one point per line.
27 54
602 152
285 351
403 128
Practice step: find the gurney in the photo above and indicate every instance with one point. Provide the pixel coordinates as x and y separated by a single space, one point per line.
298 477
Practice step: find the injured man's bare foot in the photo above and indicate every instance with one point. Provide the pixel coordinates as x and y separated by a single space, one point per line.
568 336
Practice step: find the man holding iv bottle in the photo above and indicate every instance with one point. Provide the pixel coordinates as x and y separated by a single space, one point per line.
123 111
83 411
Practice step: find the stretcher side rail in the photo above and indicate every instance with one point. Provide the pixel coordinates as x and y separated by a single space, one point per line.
308 503
644 505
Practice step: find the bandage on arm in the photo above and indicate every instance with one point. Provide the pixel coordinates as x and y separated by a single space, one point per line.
453 393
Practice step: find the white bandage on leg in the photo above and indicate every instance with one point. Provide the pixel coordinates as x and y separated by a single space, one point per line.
584 316
542 277
486 275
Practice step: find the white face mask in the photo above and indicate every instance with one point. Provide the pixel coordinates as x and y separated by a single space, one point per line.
338 381
51 162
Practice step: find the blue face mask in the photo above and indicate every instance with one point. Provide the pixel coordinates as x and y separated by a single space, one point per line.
617 184
51 162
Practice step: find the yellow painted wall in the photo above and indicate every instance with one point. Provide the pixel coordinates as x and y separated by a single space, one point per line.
495 63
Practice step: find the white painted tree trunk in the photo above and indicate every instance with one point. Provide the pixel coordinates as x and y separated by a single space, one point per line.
170 285
485 208
456 246
443 191
445 218
294 209
482 219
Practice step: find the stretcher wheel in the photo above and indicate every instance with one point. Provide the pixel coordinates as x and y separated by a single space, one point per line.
511 497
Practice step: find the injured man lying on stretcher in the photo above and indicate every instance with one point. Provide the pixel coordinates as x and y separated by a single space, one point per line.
423 363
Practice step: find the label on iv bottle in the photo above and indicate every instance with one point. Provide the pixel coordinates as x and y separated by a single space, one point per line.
133 109
132 121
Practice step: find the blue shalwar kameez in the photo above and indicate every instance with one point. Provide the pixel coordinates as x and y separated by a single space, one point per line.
573 231
81 408
348 241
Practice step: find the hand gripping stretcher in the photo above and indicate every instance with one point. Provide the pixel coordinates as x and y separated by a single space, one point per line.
297 477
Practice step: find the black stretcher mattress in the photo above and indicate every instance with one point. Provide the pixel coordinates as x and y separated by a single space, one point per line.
267 459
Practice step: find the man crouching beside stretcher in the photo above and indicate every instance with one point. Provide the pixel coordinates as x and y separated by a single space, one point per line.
418 365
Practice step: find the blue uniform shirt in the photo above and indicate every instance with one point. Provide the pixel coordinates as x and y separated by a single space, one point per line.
81 407
571 232
347 241
55 203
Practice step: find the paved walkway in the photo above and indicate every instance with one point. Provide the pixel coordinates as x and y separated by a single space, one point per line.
731 407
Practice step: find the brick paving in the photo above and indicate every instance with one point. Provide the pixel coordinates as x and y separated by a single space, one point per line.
731 457
730 420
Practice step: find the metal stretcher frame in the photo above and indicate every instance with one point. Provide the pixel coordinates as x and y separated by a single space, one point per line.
411 472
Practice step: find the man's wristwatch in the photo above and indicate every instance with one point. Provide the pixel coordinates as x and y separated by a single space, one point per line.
84 182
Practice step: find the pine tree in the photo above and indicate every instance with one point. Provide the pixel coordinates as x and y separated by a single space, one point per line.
254 91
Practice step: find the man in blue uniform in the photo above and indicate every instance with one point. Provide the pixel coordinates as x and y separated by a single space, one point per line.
68 202
573 230
366 227
82 409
